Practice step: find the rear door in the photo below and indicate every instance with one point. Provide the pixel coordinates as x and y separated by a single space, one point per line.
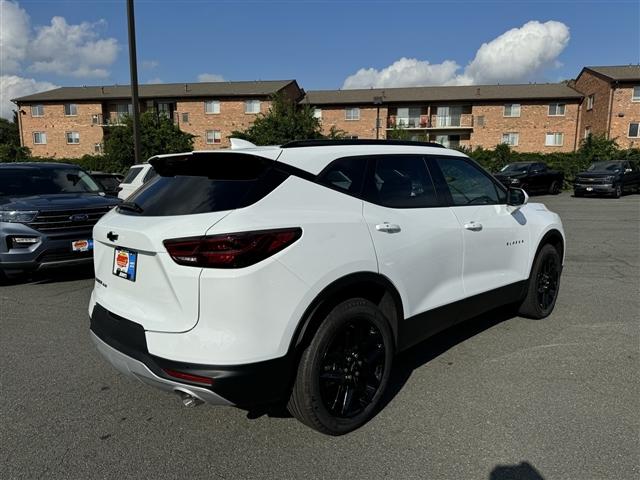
495 237
418 241
189 195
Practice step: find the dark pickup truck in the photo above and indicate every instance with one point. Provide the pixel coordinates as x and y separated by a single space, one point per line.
613 178
47 213
533 177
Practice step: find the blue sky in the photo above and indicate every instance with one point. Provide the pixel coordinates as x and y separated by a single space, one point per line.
322 43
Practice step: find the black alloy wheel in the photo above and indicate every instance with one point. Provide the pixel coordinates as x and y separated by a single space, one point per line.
345 369
547 282
352 368
544 284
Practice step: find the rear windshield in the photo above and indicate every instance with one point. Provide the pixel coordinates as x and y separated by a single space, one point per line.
45 181
204 183
132 174
108 182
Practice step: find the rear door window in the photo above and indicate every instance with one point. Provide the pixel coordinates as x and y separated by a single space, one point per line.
201 183
345 174
401 181
132 174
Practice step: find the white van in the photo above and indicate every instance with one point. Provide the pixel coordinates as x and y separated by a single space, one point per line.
137 176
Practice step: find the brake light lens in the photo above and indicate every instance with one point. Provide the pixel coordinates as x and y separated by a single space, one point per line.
231 250
189 377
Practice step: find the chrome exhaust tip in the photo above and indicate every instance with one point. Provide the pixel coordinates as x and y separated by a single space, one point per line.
189 400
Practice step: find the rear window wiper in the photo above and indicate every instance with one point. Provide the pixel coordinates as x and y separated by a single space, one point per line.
131 206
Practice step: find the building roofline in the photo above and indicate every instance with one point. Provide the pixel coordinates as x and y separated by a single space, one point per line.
160 90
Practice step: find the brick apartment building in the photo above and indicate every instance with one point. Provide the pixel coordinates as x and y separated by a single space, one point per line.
533 117
611 103
70 121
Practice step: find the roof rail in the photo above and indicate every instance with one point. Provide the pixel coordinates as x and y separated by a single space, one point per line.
327 143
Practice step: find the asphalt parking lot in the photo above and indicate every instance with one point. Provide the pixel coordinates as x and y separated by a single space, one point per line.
497 398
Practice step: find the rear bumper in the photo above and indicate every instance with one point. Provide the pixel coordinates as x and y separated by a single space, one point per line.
123 344
136 369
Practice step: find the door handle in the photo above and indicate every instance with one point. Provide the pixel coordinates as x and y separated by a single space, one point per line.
388 227
473 226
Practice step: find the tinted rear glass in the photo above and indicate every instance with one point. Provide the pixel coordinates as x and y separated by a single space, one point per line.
345 174
191 185
45 181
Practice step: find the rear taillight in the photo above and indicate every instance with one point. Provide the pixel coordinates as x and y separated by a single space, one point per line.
189 377
231 250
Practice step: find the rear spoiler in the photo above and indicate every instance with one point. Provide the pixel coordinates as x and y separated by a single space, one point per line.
238 144
223 165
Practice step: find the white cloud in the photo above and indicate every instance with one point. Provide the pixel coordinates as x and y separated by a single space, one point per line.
150 64
74 50
13 86
14 36
405 72
210 77
59 48
518 55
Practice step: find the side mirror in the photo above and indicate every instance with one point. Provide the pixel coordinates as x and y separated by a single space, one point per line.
517 197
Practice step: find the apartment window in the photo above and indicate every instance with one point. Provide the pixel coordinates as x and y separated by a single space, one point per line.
352 113
587 132
252 106
185 117
73 137
212 106
556 109
70 109
317 113
590 100
634 130
97 148
39 138
480 120
37 110
635 94
511 138
512 110
121 111
353 137
554 139
212 137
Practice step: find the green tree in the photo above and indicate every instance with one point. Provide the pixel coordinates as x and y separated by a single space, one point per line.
158 135
10 149
598 147
284 122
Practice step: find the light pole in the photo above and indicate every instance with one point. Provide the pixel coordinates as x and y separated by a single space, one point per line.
377 101
133 67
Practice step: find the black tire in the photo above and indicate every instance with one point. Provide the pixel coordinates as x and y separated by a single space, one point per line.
618 192
554 188
544 284
321 373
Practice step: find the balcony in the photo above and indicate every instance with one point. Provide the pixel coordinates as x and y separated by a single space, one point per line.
426 122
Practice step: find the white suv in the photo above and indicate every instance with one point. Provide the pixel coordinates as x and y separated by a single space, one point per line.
295 273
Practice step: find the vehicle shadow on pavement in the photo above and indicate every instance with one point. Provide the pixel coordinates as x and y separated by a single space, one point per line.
406 362
50 276
522 471
415 357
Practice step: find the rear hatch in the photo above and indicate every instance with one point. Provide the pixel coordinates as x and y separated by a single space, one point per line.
135 276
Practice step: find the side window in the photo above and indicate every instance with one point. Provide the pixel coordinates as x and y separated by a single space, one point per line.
149 175
402 181
132 174
467 184
345 174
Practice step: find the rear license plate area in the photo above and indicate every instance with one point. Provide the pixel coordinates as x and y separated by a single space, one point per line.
125 263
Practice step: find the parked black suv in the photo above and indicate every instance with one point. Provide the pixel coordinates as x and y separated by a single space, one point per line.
533 177
47 213
613 178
